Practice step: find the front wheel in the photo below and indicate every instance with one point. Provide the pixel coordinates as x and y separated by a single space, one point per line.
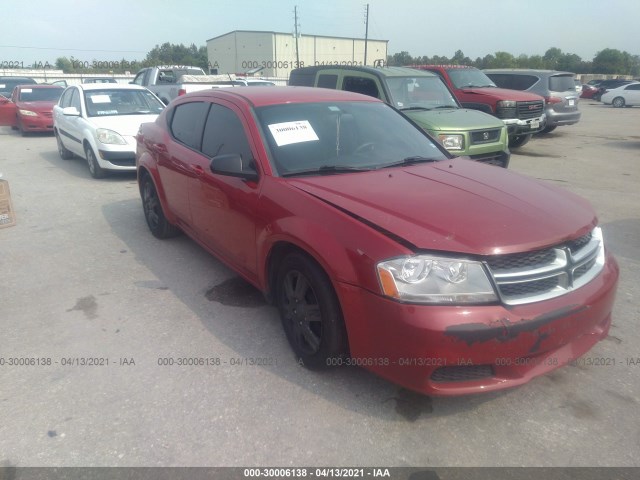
310 312
618 102
519 140
549 129
64 153
95 169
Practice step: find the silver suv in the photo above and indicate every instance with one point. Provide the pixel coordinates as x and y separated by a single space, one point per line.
557 88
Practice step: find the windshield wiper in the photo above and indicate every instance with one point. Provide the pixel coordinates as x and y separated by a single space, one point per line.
411 161
413 108
445 106
326 169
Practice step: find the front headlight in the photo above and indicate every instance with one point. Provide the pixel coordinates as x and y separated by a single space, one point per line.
433 279
110 137
28 113
452 142
507 104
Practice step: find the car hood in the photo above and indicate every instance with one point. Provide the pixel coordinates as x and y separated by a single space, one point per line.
453 119
501 94
41 106
457 206
125 125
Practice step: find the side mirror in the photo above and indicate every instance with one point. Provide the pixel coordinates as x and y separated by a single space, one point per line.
71 111
231 165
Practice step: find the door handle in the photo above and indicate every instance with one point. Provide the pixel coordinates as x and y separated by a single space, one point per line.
198 170
158 148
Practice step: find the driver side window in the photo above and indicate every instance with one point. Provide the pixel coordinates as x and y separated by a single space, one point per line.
224 133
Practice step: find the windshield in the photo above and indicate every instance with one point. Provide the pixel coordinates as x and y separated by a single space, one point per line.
420 92
40 94
325 138
469 78
106 102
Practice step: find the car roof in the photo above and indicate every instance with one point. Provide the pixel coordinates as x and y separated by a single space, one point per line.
38 85
530 71
19 79
260 96
378 71
446 67
109 86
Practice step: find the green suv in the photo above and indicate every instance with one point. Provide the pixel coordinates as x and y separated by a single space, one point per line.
425 99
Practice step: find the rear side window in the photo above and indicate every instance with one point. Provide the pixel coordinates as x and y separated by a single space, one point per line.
166 77
224 133
561 83
187 123
635 86
328 81
514 82
365 86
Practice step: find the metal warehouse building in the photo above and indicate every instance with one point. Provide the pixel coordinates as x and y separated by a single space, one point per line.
273 54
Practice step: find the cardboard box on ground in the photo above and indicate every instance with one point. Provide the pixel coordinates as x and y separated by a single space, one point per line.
7 215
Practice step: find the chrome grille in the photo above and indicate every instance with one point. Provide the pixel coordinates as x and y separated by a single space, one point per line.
530 109
535 276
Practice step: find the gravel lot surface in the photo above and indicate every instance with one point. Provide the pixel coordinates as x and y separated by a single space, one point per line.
82 277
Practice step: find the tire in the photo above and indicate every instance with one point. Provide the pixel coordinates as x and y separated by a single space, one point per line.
95 169
519 140
62 150
310 312
618 102
153 213
548 129
21 129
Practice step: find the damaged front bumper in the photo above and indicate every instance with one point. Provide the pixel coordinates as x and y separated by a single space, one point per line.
456 350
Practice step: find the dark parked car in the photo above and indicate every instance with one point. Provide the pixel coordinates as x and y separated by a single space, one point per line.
557 88
378 247
7 84
605 85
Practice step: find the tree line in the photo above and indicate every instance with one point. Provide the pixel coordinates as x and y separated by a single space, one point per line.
165 54
607 61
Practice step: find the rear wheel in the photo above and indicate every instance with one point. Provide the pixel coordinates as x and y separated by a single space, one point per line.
310 312
153 213
618 102
519 140
95 169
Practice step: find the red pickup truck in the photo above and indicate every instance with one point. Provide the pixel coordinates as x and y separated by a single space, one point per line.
522 112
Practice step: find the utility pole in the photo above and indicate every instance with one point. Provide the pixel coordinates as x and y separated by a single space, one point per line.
295 26
366 31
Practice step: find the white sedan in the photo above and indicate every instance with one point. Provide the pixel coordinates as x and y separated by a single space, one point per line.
624 96
99 122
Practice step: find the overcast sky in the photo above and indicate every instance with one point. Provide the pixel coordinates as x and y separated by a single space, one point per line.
43 30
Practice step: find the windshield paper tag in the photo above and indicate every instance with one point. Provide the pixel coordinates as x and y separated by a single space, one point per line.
293 132
27 90
100 99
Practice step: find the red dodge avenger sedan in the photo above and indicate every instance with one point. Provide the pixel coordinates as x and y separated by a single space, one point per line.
379 249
